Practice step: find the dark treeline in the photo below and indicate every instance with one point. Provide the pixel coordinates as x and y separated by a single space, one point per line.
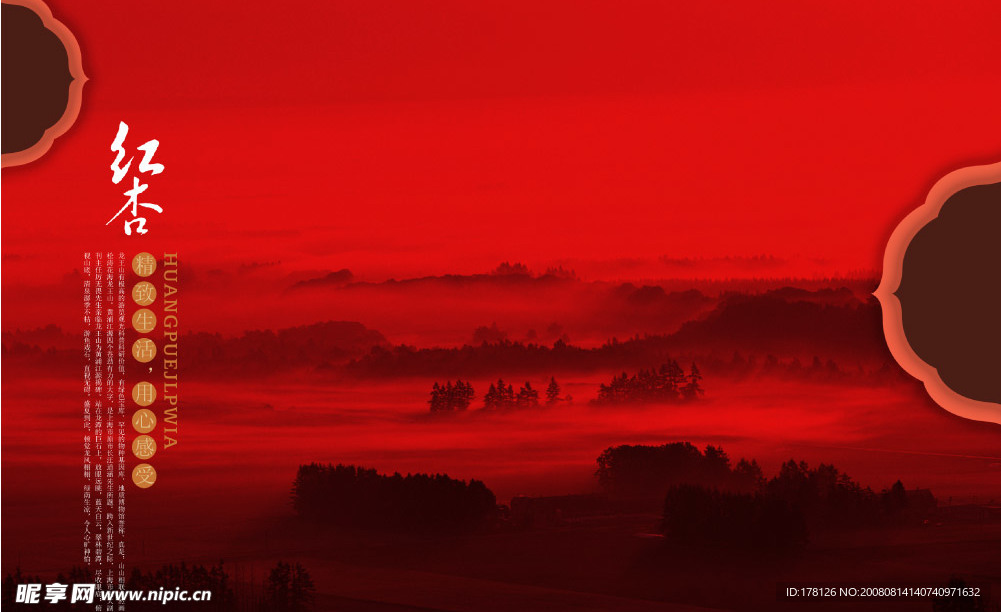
346 495
634 353
746 335
640 470
319 346
783 510
669 383
449 397
744 367
710 283
711 502
190 577
288 588
830 498
500 396
737 337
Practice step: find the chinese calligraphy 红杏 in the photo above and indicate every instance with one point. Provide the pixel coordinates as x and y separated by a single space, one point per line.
119 172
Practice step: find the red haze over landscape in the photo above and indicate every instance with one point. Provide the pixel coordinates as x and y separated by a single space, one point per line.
713 182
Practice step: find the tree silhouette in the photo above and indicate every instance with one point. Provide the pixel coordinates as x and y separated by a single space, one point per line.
437 401
895 499
773 514
642 470
500 396
488 335
289 588
749 473
507 394
191 577
491 401
353 496
451 397
464 395
693 389
527 397
552 392
674 374
665 384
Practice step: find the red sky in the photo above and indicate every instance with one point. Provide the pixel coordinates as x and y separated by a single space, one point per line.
400 137
410 137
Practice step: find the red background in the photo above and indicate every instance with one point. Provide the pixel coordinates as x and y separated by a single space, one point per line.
401 138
